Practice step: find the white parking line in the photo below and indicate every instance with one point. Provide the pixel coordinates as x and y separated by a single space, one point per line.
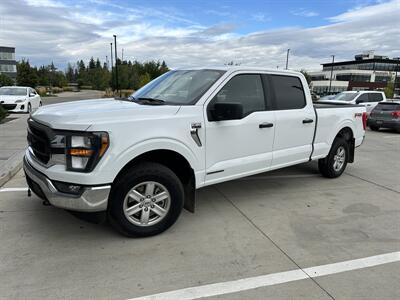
273 279
24 189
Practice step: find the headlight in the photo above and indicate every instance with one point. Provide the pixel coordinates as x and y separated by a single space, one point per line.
20 101
83 151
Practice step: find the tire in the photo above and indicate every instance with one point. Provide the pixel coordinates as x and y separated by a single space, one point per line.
334 164
373 128
40 104
29 108
150 186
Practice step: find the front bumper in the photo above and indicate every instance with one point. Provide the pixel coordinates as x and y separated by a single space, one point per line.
92 198
15 107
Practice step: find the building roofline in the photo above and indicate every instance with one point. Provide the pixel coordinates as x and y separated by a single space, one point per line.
369 60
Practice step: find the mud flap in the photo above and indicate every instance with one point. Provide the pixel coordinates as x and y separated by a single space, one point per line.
190 195
352 147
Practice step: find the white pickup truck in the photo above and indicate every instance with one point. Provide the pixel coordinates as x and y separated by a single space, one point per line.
141 159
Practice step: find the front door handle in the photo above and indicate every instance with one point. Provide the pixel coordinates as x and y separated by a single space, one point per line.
266 125
305 121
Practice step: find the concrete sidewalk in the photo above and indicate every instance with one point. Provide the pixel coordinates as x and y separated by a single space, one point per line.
12 146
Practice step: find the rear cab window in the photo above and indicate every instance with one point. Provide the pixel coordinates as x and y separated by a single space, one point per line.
375 97
288 92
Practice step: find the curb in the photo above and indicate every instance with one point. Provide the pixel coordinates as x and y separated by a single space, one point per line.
11 167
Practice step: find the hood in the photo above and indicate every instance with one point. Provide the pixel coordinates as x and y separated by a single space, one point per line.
80 115
8 99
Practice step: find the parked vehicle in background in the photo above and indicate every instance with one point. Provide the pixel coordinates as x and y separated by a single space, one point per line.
19 99
385 115
141 159
369 99
327 97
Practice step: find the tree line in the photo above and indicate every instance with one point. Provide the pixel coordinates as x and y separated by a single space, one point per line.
97 75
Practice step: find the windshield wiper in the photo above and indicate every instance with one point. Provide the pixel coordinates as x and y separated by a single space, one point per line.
149 100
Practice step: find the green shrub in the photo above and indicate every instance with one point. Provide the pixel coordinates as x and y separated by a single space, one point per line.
42 91
86 87
56 90
3 113
67 89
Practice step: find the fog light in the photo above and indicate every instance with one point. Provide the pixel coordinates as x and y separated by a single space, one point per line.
68 188
22 107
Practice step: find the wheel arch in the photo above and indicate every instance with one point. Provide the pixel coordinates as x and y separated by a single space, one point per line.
347 133
175 161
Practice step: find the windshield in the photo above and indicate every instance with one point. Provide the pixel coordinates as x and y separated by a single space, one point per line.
13 91
344 96
181 87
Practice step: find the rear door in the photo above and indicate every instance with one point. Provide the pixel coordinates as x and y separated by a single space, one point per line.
295 121
237 148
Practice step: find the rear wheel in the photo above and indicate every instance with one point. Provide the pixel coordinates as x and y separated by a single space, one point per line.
146 200
335 163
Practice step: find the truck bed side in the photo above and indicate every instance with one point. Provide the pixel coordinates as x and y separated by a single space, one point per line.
331 119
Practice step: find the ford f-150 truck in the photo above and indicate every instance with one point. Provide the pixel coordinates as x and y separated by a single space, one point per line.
141 159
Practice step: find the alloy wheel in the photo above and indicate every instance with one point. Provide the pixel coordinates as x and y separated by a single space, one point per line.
147 203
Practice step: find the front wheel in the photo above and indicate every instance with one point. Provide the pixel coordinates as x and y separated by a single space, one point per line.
29 108
146 200
335 163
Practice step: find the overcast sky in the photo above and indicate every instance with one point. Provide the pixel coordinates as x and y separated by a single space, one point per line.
204 32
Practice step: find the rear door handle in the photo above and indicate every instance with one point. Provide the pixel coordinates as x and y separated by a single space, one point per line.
266 125
305 121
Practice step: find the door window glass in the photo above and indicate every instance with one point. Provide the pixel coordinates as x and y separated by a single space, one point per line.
289 93
246 89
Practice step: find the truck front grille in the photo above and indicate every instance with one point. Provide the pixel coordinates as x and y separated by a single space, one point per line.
39 141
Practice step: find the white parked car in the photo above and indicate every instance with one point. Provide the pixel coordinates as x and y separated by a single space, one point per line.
19 99
369 99
141 159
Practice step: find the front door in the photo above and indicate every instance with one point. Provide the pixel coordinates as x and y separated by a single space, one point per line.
240 147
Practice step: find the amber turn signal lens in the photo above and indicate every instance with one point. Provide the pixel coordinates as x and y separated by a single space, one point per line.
104 145
80 152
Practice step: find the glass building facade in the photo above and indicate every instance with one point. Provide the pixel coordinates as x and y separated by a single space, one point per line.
8 64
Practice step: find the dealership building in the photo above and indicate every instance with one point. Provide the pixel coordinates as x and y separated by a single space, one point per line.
366 72
8 64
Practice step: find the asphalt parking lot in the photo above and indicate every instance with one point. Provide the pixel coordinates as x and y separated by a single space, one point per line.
289 220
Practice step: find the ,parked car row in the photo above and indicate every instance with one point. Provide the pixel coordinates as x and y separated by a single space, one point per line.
385 115
369 99
19 99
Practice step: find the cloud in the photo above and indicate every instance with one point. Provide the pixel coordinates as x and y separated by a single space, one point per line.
304 13
260 18
65 34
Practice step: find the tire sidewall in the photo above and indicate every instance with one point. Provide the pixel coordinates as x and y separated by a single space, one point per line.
338 143
143 173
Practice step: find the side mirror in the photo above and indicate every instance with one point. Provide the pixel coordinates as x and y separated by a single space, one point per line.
227 111
32 95
359 101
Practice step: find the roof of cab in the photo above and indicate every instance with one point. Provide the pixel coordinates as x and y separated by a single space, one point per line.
240 68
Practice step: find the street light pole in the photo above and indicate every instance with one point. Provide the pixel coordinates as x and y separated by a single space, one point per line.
116 63
330 80
287 58
112 75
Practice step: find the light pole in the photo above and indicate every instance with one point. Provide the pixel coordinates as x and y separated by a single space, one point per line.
116 63
112 75
287 58
330 79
